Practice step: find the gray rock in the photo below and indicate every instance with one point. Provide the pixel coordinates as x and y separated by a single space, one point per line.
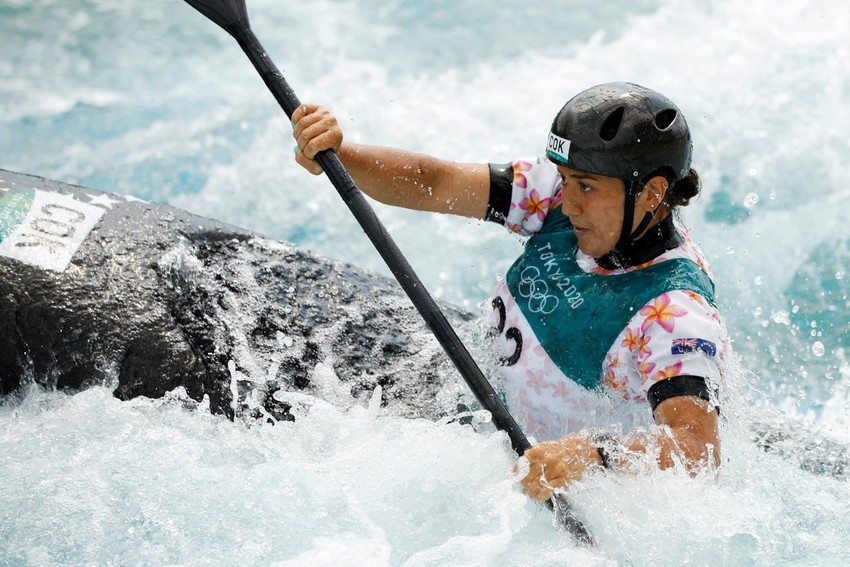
151 298
793 440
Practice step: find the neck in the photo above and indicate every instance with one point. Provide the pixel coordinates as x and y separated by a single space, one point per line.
657 240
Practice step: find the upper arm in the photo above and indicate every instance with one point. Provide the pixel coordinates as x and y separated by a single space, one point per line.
677 334
686 343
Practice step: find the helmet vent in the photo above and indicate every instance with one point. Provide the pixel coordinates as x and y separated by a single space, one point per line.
665 118
611 126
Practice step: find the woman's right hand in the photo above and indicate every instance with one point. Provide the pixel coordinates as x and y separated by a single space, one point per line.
314 129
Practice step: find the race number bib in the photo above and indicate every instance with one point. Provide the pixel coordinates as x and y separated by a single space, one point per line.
42 228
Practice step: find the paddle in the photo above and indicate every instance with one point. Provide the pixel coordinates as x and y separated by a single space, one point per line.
232 16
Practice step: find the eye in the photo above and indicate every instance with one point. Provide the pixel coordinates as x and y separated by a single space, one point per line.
585 188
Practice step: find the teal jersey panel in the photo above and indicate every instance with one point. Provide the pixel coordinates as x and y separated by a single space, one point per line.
578 315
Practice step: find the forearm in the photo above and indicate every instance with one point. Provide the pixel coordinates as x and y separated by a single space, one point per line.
417 181
686 432
395 177
692 445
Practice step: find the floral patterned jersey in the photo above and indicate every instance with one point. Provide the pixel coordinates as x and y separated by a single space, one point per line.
678 333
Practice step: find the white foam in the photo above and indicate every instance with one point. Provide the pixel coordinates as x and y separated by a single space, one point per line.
92 480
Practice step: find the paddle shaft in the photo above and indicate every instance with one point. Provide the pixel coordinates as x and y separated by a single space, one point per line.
403 272
388 250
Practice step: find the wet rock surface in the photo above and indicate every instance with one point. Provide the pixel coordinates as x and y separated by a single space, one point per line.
155 298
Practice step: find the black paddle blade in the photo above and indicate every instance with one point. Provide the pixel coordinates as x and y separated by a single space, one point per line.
229 14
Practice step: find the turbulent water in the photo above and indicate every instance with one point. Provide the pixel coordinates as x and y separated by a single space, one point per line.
151 99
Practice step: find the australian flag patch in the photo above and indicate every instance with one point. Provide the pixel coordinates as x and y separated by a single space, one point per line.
684 346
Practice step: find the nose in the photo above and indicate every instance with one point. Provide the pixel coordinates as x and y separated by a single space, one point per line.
569 203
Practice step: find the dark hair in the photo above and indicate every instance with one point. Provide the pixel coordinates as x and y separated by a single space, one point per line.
681 191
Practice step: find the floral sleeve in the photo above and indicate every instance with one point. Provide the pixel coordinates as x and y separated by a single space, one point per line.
676 334
535 189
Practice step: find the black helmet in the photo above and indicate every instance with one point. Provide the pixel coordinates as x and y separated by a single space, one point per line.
621 130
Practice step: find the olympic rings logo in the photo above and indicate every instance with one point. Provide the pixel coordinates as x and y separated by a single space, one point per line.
536 290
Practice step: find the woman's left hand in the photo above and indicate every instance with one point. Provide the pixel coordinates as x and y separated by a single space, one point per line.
556 464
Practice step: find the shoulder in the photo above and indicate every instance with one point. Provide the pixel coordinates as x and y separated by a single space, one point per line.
681 334
534 171
677 307
678 333
534 189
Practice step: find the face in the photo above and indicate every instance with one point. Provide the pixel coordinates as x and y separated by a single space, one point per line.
594 204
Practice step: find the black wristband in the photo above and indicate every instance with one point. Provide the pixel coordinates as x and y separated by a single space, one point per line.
609 458
603 455
501 187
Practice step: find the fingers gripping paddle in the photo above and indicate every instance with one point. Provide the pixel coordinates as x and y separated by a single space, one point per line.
232 16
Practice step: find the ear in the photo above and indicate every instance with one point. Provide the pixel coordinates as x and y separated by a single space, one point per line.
652 195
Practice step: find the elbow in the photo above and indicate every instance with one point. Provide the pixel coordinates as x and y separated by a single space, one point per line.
696 452
427 173
703 456
690 435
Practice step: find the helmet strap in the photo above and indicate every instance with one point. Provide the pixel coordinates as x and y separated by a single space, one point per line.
617 256
633 188
627 234
647 218
629 251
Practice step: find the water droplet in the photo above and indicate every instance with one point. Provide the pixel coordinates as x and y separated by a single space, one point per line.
781 317
751 200
759 280
818 348
839 275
